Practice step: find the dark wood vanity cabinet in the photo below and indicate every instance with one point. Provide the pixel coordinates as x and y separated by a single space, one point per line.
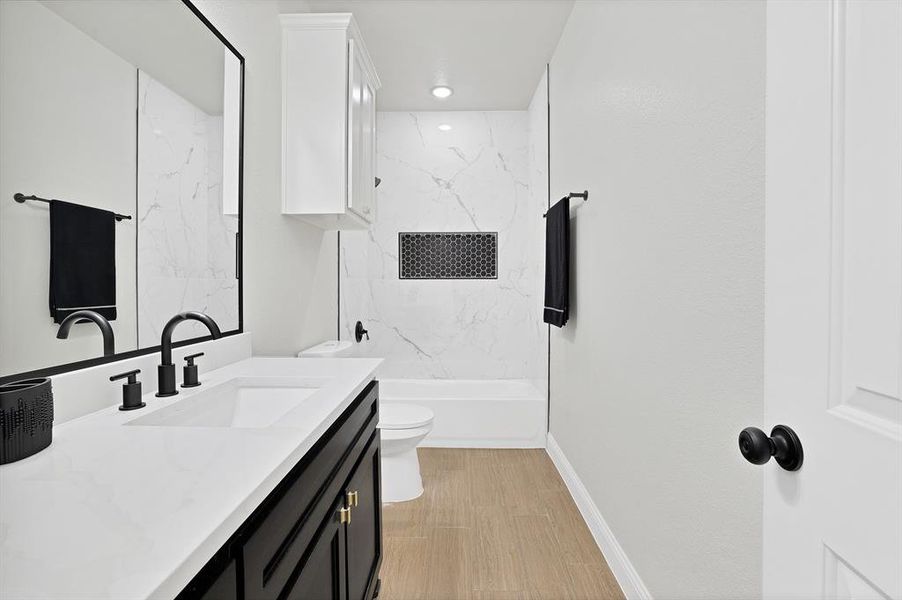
343 559
318 535
364 532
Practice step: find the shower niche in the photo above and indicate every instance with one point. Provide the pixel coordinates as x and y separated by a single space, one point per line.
459 255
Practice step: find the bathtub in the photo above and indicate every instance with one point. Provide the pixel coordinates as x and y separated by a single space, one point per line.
475 414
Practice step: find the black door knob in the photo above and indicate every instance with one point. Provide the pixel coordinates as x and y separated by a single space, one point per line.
783 444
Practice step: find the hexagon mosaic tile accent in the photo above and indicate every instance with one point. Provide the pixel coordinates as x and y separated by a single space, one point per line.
456 255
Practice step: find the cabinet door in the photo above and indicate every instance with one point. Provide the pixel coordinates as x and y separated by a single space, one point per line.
323 575
365 529
367 198
361 136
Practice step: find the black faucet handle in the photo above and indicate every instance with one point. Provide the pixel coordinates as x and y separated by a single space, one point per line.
131 390
132 376
189 372
190 358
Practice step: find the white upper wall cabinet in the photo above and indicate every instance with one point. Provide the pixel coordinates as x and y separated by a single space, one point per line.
328 122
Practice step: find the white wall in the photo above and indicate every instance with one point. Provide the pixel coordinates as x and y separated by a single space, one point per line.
475 177
290 285
657 108
67 131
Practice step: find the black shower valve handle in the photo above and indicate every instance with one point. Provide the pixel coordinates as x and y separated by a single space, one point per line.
359 332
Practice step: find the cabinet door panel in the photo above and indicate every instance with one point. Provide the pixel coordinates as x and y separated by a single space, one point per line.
366 199
365 529
361 136
355 131
322 575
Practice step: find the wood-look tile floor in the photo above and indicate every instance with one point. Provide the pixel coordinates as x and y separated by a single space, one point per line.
491 524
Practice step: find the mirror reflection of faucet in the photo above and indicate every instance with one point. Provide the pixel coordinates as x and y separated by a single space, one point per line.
166 370
109 342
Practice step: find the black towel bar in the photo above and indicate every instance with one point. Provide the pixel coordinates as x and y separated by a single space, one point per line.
584 195
21 198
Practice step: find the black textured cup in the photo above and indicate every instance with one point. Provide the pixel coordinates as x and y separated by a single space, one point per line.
26 418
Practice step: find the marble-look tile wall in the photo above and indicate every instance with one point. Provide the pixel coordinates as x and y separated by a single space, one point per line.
474 177
538 189
186 245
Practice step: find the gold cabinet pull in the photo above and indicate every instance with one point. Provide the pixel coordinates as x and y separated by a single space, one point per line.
344 515
353 498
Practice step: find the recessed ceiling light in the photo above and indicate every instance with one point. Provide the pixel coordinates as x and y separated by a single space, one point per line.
442 91
445 127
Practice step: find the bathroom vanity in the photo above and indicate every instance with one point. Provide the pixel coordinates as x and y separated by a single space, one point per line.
319 530
264 482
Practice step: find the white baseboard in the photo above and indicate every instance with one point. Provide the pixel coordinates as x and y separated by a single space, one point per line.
623 570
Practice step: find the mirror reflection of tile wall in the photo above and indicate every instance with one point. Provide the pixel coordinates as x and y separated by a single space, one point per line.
68 131
186 245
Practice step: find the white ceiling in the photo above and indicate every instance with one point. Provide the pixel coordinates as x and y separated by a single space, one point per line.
491 52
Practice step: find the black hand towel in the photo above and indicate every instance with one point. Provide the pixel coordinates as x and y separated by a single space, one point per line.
82 260
557 263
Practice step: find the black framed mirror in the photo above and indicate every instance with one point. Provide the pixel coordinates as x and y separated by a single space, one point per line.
121 175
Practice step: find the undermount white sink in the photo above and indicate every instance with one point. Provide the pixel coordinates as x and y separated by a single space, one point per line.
244 402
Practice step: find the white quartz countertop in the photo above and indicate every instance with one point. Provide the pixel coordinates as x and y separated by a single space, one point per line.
115 511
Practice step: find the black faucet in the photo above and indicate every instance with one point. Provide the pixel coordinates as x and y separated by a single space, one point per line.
166 370
109 343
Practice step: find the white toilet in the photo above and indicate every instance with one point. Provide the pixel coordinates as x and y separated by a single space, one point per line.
329 349
402 427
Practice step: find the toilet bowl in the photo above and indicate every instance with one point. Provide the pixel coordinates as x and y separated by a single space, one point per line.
402 427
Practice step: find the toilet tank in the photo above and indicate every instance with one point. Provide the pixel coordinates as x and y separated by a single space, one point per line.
328 349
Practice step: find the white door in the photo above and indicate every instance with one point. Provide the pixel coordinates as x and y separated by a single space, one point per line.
833 349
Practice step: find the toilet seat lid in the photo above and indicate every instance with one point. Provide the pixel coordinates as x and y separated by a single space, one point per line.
403 416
